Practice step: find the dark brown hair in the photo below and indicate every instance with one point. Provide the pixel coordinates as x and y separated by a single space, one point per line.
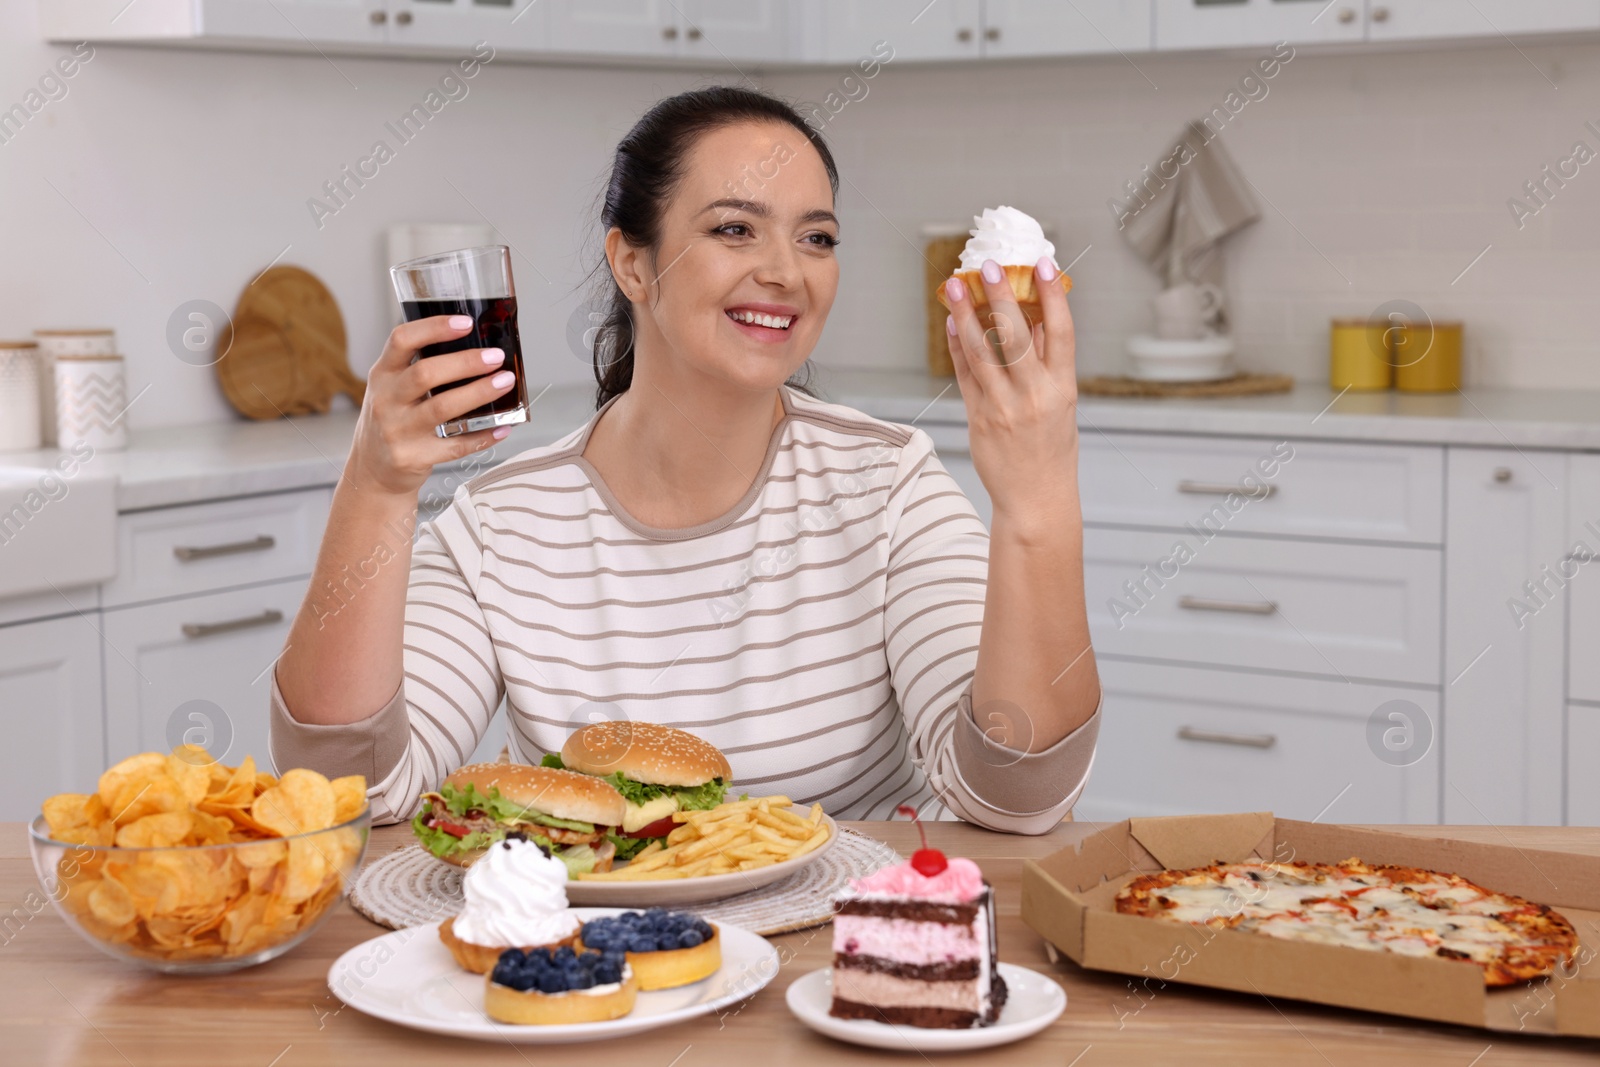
644 174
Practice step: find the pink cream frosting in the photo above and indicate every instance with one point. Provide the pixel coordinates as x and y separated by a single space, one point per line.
959 883
904 941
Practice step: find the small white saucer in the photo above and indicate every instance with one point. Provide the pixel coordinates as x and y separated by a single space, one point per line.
1033 1002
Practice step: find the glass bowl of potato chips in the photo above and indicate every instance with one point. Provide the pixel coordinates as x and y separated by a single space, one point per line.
180 863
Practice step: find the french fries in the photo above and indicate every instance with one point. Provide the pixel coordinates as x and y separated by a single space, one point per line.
737 836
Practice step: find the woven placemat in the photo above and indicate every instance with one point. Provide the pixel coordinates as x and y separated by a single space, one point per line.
1238 385
408 887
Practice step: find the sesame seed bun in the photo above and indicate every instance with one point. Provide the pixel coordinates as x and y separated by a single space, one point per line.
645 752
563 794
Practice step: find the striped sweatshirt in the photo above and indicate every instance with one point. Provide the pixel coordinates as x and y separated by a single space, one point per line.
822 633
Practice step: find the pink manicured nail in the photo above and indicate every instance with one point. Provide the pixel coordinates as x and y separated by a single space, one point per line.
992 272
492 356
1047 269
950 325
503 379
460 322
955 290
499 433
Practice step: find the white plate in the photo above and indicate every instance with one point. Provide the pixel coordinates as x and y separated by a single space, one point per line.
409 978
1033 1002
677 892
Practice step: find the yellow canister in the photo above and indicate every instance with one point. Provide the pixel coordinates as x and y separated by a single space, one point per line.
1427 357
1358 355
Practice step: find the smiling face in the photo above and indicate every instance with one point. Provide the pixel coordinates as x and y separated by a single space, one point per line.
745 273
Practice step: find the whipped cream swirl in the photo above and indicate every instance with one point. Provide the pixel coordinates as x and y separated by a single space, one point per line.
516 897
1007 236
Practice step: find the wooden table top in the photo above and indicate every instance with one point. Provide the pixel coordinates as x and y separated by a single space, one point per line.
69 1004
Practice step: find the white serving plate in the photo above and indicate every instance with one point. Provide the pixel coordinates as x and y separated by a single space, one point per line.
676 892
1204 359
1033 1002
409 978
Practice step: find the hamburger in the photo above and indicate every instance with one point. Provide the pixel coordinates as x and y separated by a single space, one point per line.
659 771
572 815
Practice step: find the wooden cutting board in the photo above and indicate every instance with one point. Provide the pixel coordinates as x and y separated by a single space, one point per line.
285 349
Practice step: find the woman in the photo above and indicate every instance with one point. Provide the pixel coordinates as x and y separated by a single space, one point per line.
717 550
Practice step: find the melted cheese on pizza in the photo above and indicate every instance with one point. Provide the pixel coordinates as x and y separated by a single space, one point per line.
1362 911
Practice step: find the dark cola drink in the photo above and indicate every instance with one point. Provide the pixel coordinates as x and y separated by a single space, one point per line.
494 326
475 282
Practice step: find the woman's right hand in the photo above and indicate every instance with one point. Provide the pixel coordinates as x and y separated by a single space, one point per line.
395 447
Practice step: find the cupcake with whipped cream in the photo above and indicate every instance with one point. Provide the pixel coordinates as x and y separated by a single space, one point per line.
516 897
1015 241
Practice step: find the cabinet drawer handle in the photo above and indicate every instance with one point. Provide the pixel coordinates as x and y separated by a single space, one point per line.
258 544
1242 607
1215 737
249 622
1224 488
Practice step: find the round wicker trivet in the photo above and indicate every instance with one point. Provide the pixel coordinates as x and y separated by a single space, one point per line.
408 887
1238 385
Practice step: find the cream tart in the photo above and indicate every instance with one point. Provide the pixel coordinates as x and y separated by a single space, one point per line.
1016 242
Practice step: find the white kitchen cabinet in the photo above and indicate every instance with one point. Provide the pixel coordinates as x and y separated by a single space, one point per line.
1189 24
1579 569
503 24
195 548
1178 741
1050 28
1409 20
196 668
718 31
915 29
1314 489
1583 752
50 690
1345 611
1503 693
399 27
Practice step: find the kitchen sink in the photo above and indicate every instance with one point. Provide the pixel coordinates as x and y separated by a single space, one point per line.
55 532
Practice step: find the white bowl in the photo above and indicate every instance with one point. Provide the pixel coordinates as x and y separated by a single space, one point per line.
1206 359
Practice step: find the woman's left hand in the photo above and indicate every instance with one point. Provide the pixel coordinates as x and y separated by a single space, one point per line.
1021 396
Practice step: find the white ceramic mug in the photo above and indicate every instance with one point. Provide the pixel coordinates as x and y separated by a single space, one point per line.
1183 311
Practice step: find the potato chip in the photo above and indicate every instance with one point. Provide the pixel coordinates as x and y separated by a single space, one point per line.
164 830
138 768
238 788
69 811
349 797
111 903
307 867
190 767
301 802
210 829
148 796
267 853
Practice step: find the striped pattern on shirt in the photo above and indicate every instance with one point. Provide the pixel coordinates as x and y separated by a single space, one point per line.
822 633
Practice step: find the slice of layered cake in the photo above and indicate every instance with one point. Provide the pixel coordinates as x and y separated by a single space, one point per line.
914 943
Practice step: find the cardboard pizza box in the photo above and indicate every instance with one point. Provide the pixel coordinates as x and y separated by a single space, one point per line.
1069 899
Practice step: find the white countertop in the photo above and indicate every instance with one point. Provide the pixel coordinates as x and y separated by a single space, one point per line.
1495 418
184 464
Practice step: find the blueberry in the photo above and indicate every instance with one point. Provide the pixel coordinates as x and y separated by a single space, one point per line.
703 928
688 939
552 982
565 953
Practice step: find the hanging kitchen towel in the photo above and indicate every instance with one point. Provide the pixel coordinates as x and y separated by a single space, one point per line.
1176 221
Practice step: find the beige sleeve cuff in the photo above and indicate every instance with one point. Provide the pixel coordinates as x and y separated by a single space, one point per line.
372 747
1017 782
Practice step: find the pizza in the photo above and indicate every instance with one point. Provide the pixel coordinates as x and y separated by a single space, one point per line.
1405 910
